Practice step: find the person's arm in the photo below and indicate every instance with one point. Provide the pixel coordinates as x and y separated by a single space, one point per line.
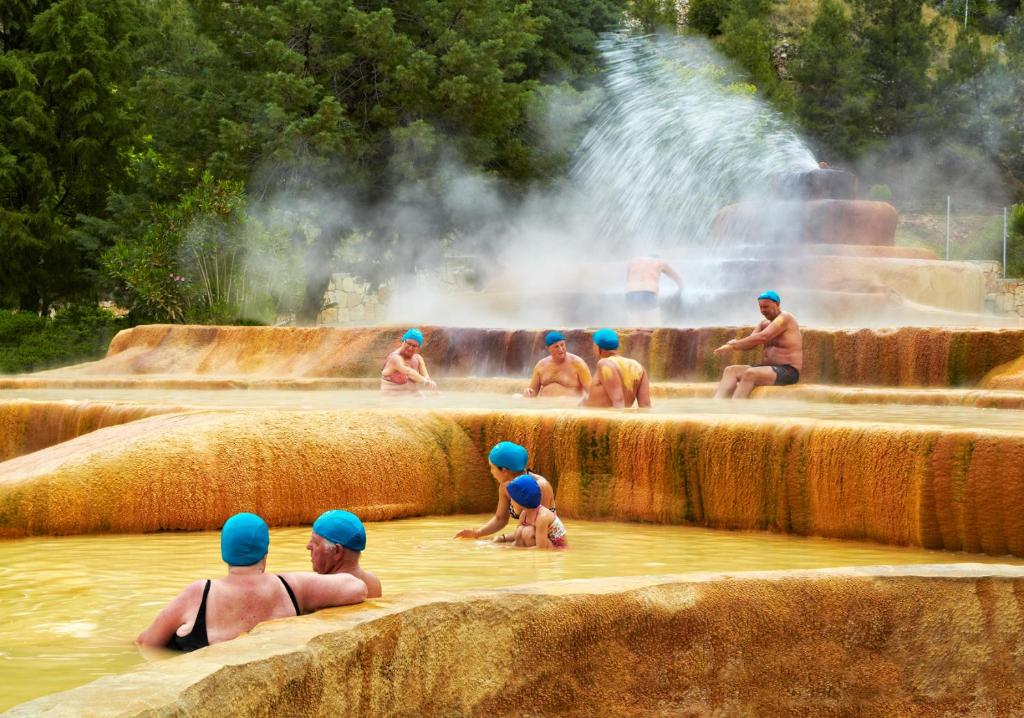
673 275
315 591
643 393
423 371
612 383
402 367
534 388
583 374
496 522
171 617
540 531
762 334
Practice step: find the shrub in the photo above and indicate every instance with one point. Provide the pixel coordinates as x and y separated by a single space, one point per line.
76 333
1015 242
880 192
706 16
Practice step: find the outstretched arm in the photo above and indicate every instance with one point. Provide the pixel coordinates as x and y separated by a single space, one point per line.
315 591
495 523
672 274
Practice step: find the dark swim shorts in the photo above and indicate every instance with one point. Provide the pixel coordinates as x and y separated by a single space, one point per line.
785 374
641 300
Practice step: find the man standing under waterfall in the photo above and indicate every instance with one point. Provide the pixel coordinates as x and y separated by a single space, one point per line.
643 281
783 355
337 542
560 374
618 381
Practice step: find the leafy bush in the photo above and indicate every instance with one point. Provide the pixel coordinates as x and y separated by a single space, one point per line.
706 16
880 192
77 333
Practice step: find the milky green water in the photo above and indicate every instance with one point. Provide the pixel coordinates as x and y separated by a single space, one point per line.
73 605
956 417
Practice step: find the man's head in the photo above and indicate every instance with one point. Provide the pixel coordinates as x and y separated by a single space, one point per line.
768 302
337 536
412 340
244 540
606 340
555 343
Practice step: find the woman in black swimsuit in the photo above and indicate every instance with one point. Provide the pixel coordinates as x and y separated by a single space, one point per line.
209 612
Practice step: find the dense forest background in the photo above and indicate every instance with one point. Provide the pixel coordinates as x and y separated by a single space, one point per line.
173 155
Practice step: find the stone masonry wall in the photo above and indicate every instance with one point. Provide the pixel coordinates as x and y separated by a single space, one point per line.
350 301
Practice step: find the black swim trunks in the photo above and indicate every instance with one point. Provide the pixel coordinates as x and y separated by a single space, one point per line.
785 374
641 300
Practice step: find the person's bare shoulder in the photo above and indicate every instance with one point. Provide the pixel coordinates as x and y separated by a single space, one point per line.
576 359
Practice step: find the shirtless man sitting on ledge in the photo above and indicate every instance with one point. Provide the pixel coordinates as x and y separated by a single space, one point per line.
783 356
561 374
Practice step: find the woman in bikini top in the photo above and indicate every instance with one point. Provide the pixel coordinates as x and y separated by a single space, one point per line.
507 460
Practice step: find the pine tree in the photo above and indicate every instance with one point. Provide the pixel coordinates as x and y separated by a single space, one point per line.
832 99
64 134
898 49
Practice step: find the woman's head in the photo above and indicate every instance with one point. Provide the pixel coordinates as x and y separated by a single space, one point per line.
507 460
525 491
244 540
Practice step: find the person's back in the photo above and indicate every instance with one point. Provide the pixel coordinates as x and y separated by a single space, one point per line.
643 274
632 374
239 602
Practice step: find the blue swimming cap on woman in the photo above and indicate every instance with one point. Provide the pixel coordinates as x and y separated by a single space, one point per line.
525 491
414 334
341 527
770 295
552 338
244 540
507 455
606 339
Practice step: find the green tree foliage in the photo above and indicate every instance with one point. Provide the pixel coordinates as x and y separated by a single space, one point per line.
63 130
706 16
29 342
653 14
1015 243
832 98
747 39
898 50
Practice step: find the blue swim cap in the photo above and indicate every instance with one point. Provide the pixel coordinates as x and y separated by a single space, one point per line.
525 491
773 296
414 334
244 540
552 338
341 527
606 339
506 455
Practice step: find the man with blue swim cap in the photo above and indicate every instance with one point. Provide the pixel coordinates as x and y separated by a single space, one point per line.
783 355
559 374
335 545
618 381
405 370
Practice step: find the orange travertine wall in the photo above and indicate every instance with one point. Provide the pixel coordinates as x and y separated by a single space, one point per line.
27 426
755 645
909 356
1006 376
192 471
897 484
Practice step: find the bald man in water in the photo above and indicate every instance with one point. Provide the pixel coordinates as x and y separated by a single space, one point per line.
560 374
783 356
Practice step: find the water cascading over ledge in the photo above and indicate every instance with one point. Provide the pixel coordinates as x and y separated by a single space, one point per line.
898 484
909 356
919 640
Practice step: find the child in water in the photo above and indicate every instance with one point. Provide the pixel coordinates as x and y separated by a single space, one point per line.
538 525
